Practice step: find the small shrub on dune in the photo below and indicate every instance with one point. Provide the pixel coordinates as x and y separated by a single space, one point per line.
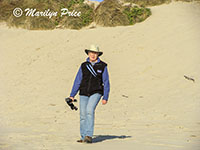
110 13
148 2
137 14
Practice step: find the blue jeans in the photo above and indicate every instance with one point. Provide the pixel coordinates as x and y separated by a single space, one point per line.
87 114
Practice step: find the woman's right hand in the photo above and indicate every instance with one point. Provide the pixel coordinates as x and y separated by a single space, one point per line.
71 98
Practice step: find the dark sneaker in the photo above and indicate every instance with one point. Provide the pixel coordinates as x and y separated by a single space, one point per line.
80 141
88 139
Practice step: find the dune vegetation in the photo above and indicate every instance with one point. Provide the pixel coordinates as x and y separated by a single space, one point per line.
112 13
107 13
40 22
147 3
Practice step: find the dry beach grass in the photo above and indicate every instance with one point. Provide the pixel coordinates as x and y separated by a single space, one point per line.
113 16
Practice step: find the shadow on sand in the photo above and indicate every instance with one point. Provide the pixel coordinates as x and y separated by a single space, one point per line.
100 138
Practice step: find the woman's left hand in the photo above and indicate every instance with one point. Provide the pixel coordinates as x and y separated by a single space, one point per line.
104 101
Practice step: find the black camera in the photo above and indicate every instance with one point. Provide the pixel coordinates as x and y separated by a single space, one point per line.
70 103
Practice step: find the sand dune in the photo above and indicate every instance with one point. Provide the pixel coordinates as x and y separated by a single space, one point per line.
151 104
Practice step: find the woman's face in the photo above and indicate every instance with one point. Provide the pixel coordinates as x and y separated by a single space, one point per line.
93 56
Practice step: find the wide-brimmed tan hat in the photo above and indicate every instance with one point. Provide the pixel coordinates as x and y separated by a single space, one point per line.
94 48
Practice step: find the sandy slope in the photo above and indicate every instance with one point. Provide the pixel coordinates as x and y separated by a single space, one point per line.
151 105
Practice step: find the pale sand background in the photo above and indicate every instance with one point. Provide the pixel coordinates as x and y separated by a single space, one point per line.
147 64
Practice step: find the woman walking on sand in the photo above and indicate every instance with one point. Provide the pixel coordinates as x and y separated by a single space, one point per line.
92 82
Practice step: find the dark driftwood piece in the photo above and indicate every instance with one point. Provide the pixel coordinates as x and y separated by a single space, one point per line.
188 78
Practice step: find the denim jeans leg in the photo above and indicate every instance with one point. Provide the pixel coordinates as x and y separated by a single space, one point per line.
83 105
90 113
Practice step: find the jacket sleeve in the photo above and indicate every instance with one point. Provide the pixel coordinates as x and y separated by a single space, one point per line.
77 83
106 83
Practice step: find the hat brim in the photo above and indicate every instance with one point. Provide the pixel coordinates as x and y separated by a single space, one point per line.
87 50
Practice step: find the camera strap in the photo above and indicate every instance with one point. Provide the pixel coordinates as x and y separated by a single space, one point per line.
91 69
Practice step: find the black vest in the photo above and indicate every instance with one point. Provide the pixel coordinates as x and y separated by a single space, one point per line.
90 84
